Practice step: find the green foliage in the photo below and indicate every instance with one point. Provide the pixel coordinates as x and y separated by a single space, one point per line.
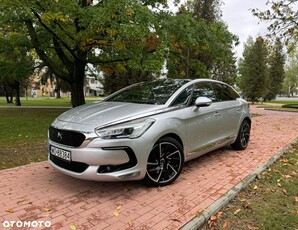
254 70
282 16
16 62
291 78
201 45
276 71
68 34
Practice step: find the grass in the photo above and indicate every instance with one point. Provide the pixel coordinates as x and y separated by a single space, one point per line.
46 101
23 135
277 105
271 202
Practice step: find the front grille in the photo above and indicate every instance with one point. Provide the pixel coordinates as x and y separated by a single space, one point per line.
73 166
65 137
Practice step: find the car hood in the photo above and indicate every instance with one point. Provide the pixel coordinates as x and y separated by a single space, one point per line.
92 115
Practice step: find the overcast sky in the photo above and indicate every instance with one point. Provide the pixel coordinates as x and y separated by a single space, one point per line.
237 14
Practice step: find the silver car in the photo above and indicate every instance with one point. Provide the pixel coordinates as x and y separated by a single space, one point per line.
148 130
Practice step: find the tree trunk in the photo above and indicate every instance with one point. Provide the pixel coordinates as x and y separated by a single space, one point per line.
17 88
77 85
8 99
77 93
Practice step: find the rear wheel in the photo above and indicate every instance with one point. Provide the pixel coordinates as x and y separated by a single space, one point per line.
165 162
242 137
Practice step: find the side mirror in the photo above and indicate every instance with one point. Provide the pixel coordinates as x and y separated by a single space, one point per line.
203 102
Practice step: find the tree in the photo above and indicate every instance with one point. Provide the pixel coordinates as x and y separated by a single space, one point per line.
16 63
254 70
283 18
201 43
67 34
290 83
276 71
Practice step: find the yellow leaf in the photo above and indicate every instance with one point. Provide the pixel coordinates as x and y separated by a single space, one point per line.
118 207
9 210
116 213
237 211
296 199
130 223
255 187
73 227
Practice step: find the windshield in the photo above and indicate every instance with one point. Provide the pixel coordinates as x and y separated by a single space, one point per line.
155 92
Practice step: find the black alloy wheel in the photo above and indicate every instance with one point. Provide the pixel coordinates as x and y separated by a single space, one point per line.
165 162
243 136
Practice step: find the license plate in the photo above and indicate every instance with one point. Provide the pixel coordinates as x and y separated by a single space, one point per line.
61 153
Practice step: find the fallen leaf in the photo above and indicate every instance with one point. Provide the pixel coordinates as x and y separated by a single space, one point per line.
255 187
197 213
73 227
176 220
296 199
118 207
219 214
116 213
9 210
284 191
212 218
46 209
225 224
237 211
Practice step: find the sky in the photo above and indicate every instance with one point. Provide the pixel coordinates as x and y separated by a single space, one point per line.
237 14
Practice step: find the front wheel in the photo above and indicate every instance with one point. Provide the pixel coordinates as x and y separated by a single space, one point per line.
242 137
165 162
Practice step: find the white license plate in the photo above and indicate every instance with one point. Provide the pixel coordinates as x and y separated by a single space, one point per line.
61 153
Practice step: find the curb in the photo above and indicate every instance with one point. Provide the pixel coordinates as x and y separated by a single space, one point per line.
205 215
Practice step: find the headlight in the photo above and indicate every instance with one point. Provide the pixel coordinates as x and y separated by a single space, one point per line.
133 129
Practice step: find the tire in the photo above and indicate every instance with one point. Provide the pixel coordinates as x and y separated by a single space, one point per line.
165 162
243 136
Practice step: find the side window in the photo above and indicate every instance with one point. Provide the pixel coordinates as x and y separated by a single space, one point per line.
183 97
225 92
203 89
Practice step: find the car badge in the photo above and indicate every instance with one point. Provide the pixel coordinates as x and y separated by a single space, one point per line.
59 135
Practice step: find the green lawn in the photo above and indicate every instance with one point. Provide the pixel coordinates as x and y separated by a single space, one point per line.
271 202
23 135
46 101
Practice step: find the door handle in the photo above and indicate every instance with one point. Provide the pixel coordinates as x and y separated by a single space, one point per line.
217 114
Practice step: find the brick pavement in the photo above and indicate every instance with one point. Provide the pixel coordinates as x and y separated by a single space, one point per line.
36 192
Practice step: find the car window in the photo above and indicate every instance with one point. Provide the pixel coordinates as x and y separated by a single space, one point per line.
225 92
184 97
203 89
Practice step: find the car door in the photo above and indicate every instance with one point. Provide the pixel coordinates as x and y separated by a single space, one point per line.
202 123
230 109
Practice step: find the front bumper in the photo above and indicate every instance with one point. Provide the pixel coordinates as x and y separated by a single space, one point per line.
104 160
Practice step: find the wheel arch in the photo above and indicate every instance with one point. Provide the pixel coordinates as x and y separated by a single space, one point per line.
175 136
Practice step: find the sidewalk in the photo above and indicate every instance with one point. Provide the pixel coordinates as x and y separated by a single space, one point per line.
37 192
